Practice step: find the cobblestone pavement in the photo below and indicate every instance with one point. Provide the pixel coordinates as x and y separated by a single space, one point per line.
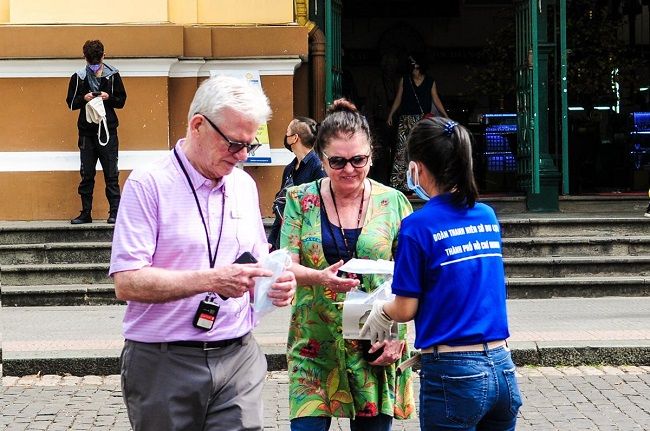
562 398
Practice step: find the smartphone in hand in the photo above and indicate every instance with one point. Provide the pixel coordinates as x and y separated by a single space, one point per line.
246 257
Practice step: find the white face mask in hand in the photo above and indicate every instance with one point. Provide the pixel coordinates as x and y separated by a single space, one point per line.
277 262
378 324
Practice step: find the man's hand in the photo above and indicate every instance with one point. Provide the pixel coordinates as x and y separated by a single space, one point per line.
282 291
378 324
233 281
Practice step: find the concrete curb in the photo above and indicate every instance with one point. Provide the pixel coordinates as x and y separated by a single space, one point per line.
532 355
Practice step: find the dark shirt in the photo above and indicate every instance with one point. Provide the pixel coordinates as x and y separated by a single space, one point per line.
410 105
310 169
333 243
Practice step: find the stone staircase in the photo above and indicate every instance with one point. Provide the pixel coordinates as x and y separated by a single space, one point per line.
600 248
584 255
55 263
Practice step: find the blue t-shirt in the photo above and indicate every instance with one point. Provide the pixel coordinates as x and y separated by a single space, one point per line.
449 258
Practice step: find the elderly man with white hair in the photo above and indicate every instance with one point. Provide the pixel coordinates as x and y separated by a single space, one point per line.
188 228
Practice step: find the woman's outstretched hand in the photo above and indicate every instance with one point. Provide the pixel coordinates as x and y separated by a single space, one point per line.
333 282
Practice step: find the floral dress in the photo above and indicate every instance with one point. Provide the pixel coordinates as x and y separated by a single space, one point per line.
328 375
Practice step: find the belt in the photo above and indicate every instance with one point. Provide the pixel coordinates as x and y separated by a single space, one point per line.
208 345
443 348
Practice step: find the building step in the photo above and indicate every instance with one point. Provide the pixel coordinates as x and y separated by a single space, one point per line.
574 266
611 203
58 252
583 287
609 226
49 274
59 294
576 246
53 231
593 204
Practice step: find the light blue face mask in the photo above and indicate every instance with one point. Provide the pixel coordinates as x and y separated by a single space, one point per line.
414 183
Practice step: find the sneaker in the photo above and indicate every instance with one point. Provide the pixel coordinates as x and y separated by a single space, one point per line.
647 214
112 216
83 217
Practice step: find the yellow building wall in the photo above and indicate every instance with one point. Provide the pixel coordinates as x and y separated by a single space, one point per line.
245 11
147 11
4 11
84 12
183 11
155 114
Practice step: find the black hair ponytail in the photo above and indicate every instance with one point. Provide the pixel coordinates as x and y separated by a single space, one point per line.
445 149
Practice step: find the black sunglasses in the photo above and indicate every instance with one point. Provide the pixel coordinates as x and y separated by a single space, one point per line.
358 161
234 147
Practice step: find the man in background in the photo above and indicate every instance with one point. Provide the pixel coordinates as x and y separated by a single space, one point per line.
97 80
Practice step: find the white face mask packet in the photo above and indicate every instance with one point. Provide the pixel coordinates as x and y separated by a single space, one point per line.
278 262
357 307
367 266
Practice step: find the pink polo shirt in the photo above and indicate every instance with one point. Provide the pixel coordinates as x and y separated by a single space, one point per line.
159 225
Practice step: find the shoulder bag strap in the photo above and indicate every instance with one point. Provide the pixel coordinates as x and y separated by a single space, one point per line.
417 99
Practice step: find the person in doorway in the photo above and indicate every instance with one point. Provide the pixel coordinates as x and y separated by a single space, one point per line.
328 222
186 227
416 96
97 80
381 94
449 278
304 168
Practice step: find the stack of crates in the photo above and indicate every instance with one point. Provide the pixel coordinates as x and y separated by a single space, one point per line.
499 142
500 131
640 138
640 148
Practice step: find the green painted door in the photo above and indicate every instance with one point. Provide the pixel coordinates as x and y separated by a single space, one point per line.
527 75
333 52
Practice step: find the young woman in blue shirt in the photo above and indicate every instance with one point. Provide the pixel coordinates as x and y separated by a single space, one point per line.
449 279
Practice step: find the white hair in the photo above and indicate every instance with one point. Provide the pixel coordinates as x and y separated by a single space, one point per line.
225 92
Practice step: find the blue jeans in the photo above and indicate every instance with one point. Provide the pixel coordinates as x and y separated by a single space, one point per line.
469 391
380 422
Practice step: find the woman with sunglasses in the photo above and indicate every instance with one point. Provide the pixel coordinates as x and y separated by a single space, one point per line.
449 279
327 222
304 168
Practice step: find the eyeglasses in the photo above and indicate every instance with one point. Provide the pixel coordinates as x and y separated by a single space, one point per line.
337 163
235 147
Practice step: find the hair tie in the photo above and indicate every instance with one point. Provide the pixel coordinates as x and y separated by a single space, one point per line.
449 128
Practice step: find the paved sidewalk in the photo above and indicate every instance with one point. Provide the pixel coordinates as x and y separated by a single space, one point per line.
613 330
563 398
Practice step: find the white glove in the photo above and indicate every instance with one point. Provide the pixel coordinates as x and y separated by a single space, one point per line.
378 324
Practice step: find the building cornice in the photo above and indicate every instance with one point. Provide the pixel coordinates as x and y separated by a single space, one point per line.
147 67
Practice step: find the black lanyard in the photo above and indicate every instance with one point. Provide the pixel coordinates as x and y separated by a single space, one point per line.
212 258
352 252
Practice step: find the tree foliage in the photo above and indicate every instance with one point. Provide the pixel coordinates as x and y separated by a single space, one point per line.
598 56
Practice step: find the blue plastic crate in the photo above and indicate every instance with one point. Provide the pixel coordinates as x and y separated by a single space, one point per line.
641 122
496 142
501 162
